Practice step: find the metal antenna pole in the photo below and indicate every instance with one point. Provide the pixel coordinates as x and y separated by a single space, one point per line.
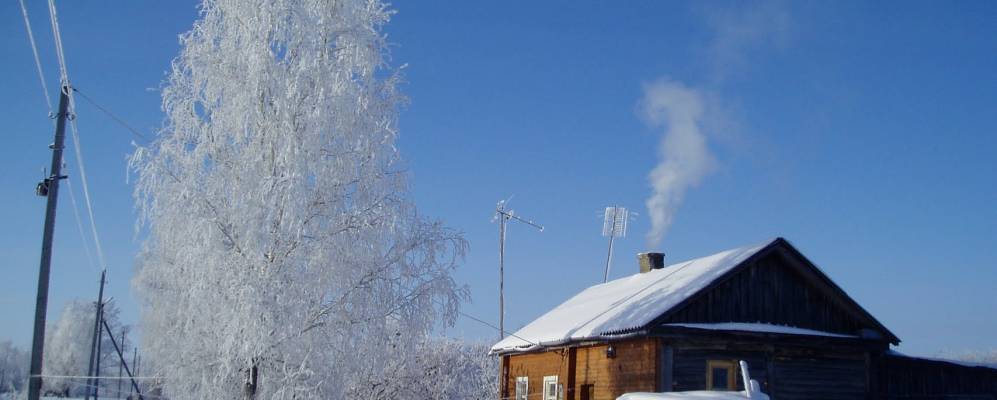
49 188
504 216
502 221
614 225
96 334
609 257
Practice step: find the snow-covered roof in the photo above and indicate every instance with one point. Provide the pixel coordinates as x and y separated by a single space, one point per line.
627 303
970 364
760 327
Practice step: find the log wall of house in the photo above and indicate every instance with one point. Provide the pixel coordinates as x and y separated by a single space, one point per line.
633 369
586 372
770 291
912 378
534 366
783 373
689 368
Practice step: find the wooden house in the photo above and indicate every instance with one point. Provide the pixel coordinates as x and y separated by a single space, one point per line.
684 327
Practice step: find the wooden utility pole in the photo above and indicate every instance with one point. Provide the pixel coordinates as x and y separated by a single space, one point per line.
49 187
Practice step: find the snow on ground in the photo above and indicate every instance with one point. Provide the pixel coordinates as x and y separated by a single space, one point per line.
703 394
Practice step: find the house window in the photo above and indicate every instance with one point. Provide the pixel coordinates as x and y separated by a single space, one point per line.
720 375
550 387
522 386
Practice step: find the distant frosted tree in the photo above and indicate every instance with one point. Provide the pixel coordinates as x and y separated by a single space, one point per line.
67 346
13 367
281 242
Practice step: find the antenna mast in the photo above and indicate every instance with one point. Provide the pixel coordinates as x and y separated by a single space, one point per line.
504 215
614 225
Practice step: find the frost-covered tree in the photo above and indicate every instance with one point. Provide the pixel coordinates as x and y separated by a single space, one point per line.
281 243
13 367
67 346
446 369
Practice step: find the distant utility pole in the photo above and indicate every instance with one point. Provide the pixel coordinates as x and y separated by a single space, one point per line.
614 225
49 187
121 358
131 391
504 215
95 344
121 363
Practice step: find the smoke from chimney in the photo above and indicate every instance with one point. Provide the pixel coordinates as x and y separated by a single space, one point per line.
683 154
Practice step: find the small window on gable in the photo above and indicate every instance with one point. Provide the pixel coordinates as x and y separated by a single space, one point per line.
522 387
720 375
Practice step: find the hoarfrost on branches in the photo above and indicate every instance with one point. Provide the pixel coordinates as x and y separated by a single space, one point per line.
67 347
280 238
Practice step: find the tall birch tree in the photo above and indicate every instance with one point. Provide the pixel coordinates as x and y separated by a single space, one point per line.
283 257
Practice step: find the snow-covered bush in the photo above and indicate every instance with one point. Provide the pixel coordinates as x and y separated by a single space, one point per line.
281 242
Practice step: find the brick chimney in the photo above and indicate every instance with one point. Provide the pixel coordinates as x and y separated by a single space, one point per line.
650 261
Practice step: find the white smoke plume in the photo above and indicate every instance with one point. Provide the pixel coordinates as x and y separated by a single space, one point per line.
737 33
684 155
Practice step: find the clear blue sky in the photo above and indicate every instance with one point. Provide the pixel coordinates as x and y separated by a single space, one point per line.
866 134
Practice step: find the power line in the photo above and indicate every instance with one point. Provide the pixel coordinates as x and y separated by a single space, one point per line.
64 76
101 377
112 115
57 37
48 101
79 224
34 50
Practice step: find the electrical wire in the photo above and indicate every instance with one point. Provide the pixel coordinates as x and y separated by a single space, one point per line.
101 377
108 390
34 50
111 115
57 37
79 224
64 77
48 102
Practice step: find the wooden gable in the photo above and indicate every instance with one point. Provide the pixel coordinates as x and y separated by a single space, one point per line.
778 285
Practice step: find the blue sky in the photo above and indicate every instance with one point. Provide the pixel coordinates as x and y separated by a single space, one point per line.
866 134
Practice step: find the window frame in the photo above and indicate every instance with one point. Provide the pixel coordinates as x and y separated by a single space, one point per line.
731 368
547 381
525 380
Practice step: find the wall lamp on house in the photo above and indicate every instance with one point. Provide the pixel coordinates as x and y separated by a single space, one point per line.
610 352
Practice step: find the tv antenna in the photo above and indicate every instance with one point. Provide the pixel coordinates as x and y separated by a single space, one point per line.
614 225
503 215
